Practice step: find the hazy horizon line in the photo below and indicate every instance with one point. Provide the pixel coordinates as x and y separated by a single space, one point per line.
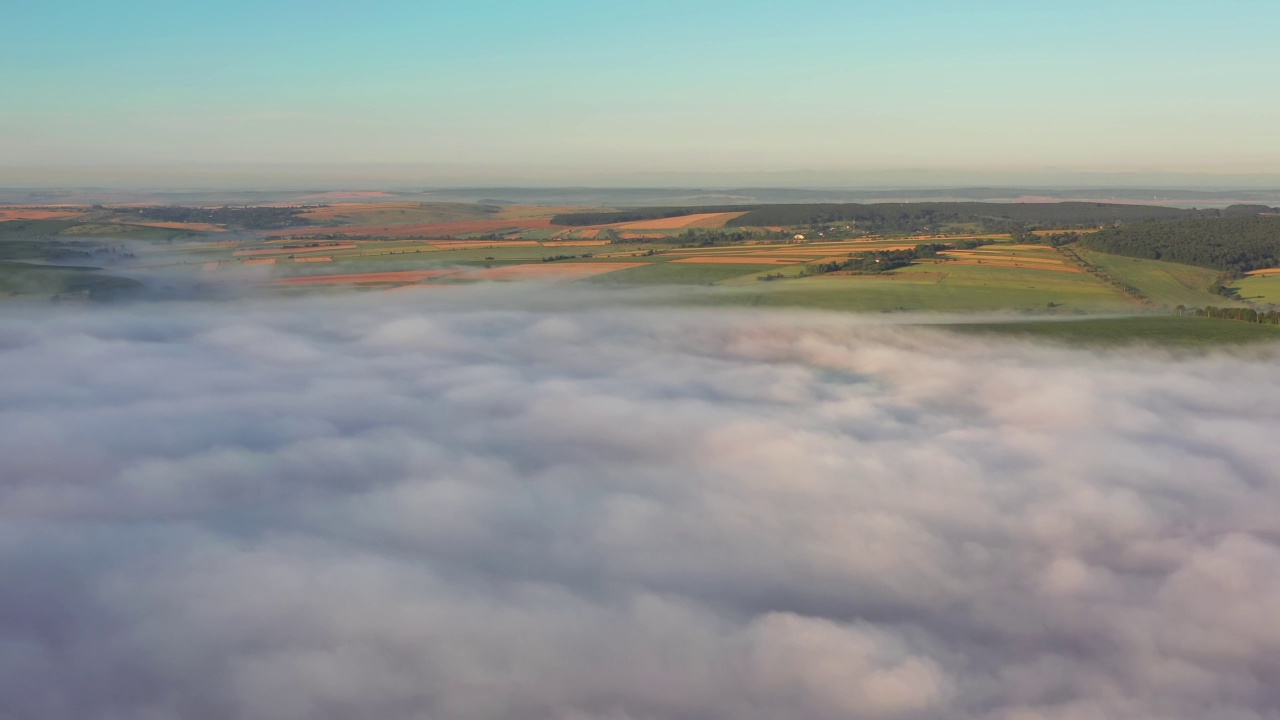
423 177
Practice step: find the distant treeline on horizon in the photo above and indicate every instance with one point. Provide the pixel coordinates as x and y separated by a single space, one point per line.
908 216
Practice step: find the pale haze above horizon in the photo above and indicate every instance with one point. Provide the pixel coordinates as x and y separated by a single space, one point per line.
570 88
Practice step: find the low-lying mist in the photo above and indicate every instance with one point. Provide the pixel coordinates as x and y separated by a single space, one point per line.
439 505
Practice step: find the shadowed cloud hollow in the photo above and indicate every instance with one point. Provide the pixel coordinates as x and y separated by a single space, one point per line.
394 509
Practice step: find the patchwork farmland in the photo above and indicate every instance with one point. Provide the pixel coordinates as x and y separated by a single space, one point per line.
376 241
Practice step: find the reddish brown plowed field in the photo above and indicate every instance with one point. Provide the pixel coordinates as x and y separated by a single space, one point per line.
36 214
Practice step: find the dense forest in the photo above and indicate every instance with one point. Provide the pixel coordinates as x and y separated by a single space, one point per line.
1235 244
249 218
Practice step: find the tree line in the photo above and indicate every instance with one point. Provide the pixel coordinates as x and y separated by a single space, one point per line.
1264 317
713 238
878 261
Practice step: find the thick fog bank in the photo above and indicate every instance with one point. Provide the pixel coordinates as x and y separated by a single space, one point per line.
394 509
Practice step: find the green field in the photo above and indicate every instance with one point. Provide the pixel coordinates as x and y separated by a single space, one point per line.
939 287
44 281
1258 289
1166 283
406 214
669 273
64 239
1152 329
120 231
381 257
31 229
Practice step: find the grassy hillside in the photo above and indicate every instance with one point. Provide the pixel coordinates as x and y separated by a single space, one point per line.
669 273
30 238
1262 289
937 288
1166 283
43 281
124 231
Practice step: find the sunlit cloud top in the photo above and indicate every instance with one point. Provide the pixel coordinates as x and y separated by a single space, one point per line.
392 507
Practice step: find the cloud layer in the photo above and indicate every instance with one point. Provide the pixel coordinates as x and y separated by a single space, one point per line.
396 509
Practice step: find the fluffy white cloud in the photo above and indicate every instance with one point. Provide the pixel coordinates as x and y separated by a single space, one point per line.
405 507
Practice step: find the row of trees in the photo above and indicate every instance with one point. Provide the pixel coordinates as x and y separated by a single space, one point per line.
1026 235
1070 254
1266 317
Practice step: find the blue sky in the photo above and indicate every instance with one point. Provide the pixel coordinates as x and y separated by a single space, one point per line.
660 85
